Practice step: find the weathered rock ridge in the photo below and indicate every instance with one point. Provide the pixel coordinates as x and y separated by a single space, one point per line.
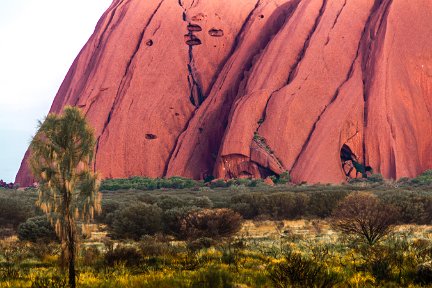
255 87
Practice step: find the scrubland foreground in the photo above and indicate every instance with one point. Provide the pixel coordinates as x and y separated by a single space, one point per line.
242 233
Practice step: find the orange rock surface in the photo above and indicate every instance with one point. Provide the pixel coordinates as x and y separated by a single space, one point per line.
251 88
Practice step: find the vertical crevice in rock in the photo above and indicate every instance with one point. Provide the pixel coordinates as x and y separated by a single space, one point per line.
284 12
380 10
335 96
125 82
233 48
96 54
294 68
178 142
212 139
175 149
364 40
196 95
338 14
111 17
300 56
302 53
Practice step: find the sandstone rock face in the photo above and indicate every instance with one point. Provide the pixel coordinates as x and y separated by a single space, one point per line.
251 88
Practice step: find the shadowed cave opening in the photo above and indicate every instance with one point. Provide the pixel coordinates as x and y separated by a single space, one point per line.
216 32
350 163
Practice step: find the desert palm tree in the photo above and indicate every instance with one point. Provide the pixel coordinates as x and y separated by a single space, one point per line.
61 157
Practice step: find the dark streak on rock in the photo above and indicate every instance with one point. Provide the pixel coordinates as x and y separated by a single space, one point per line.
302 53
123 87
368 38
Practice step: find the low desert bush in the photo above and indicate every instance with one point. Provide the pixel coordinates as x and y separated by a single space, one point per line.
211 223
127 255
283 178
170 202
36 229
172 219
137 220
201 202
14 211
424 179
322 203
108 209
414 207
365 217
91 256
288 205
154 246
250 205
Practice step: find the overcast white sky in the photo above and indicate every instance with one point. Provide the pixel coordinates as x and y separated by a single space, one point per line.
39 39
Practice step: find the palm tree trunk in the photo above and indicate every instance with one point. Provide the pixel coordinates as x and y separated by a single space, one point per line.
71 252
72 283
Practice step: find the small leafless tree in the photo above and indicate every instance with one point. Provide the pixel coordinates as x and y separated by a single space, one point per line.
363 215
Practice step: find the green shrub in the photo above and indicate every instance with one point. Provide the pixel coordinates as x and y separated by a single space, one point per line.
238 189
90 256
209 178
108 209
251 205
283 178
14 211
322 203
288 205
127 255
414 207
200 243
172 219
154 246
170 202
36 229
143 183
248 182
146 198
218 183
375 178
201 202
178 183
211 223
136 220
423 179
